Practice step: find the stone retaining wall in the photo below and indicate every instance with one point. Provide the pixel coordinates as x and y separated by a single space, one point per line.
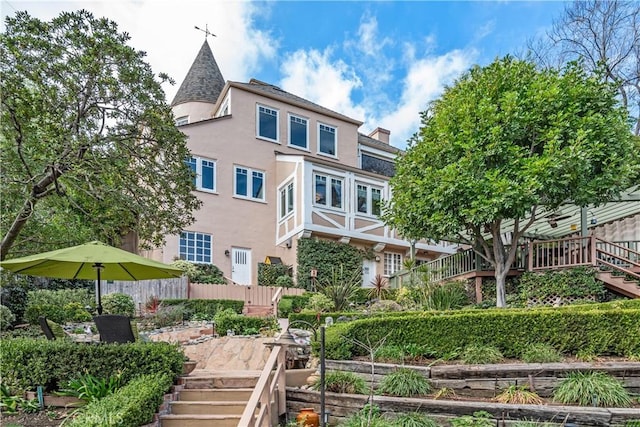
490 380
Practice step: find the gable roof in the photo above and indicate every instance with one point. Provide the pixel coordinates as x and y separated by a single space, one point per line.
274 92
372 142
204 81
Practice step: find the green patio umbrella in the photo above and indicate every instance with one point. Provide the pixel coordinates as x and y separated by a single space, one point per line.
93 260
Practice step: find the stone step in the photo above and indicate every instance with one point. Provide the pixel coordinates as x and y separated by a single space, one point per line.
215 395
199 420
208 408
257 310
200 379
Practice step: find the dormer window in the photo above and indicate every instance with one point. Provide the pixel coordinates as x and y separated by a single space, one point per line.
267 123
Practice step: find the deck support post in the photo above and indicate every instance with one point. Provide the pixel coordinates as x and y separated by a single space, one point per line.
478 289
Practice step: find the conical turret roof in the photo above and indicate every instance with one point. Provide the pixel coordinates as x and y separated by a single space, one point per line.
204 81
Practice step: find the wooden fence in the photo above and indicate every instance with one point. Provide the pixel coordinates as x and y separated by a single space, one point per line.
143 290
251 295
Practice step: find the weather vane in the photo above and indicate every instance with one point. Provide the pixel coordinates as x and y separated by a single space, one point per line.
205 31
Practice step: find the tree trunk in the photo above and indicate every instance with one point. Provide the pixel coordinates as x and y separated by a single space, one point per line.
17 226
500 275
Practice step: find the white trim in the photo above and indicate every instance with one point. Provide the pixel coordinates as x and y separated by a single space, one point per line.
249 184
225 104
285 187
199 160
377 153
181 121
329 178
277 115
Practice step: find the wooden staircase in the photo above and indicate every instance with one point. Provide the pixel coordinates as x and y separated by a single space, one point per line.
211 399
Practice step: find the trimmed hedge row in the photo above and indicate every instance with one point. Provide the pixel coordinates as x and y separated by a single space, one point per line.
600 331
208 307
293 303
27 363
131 406
313 317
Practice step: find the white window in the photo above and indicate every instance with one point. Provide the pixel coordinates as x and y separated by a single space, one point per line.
249 183
267 122
205 173
184 120
368 199
298 132
195 247
328 191
327 140
286 200
392 263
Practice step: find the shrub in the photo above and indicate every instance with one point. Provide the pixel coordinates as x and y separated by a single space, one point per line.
228 320
284 281
165 316
404 382
592 389
481 354
369 416
343 382
89 388
414 419
446 296
51 304
293 303
268 274
133 405
319 303
204 307
478 419
6 318
601 328
324 255
379 288
520 395
27 363
341 286
118 303
385 306
200 273
541 353
389 353
76 312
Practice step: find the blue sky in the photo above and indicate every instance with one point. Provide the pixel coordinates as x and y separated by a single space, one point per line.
379 62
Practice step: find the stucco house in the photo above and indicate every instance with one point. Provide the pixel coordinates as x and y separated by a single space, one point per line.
273 168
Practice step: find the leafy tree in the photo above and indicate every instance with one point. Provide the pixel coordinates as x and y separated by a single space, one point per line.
88 145
500 143
604 34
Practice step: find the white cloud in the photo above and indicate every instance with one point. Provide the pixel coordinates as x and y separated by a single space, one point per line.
368 41
166 29
425 81
313 75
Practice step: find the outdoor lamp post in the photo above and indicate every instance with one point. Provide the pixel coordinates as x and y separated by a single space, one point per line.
286 338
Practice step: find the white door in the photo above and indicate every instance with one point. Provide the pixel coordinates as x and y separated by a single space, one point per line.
241 266
368 272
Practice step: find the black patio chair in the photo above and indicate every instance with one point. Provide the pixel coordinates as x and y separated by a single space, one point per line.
45 328
114 328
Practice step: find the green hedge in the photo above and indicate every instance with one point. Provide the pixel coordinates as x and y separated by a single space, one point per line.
64 305
243 325
27 363
325 256
208 307
131 406
268 273
599 330
293 303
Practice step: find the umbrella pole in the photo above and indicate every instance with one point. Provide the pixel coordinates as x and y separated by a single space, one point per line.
98 267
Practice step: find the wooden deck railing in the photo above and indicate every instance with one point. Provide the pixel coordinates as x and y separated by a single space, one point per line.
275 301
449 267
535 256
270 391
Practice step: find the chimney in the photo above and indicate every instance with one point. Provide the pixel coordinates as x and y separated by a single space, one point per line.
380 134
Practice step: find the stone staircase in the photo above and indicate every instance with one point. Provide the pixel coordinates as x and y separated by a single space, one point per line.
211 399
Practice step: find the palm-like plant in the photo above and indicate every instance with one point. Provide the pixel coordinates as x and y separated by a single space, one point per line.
379 288
341 287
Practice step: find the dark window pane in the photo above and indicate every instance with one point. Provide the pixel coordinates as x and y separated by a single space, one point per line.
298 132
241 182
